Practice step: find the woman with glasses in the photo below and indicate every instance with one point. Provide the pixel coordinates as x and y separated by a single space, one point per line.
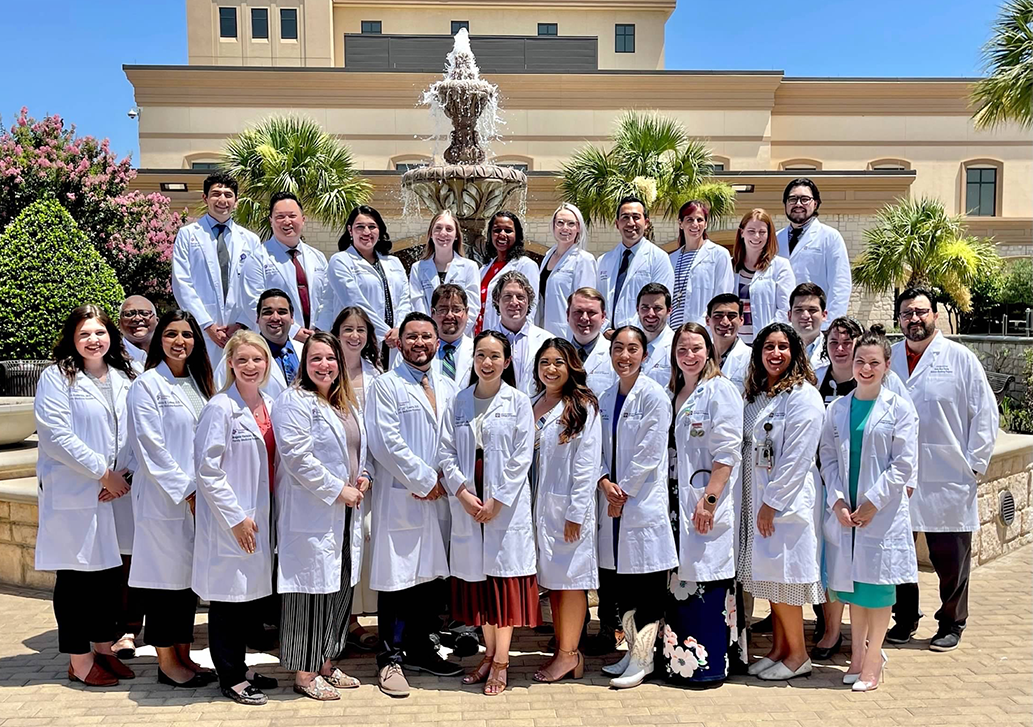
763 279
566 267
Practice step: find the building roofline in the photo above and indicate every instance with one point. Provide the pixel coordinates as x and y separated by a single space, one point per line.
788 173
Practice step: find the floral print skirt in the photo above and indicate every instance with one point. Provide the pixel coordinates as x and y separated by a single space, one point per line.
699 631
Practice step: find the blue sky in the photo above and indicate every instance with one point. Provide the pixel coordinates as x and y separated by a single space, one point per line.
73 50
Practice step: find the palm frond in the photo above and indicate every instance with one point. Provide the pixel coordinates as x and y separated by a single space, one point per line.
1006 94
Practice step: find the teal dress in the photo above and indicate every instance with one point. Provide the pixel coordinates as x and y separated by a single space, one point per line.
865 595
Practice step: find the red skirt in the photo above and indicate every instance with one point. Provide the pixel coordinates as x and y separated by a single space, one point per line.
497 601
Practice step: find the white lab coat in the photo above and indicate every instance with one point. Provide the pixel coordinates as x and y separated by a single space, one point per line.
409 535
310 535
646 541
271 267
649 264
525 345
424 280
821 257
708 429
882 552
364 598
197 278
503 547
274 385
891 381
568 478
711 274
598 366
76 430
576 269
522 264
233 484
737 363
354 281
657 365
814 352
791 487
464 361
136 353
769 294
162 423
958 420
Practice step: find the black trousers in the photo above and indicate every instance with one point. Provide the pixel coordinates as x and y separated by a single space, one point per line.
170 616
88 608
643 593
406 619
229 625
132 603
951 556
609 615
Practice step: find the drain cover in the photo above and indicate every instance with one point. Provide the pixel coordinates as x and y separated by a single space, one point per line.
1006 507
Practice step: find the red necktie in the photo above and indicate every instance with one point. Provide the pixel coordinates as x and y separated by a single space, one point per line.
302 285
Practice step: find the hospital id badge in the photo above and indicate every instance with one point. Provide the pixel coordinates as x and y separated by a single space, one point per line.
764 452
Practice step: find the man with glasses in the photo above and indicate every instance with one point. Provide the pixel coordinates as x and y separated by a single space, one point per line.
816 251
449 309
957 429
207 258
807 315
137 321
724 317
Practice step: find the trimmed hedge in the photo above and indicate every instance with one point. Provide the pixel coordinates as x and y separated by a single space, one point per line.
47 268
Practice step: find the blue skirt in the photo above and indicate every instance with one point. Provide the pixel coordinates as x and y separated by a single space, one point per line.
699 629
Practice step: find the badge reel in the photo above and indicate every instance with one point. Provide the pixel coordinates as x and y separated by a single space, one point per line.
764 453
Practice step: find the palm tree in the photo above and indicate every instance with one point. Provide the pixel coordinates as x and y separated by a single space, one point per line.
1006 94
652 157
293 154
915 242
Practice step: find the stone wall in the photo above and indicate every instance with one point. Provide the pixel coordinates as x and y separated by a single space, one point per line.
1006 354
18 545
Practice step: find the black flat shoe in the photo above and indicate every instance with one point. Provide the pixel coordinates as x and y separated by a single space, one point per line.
250 696
197 681
259 681
820 653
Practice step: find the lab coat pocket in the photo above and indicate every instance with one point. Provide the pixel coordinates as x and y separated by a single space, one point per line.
157 505
554 512
943 463
226 545
462 522
309 514
73 493
404 512
831 528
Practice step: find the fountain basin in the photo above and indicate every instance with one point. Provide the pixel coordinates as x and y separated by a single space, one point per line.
16 419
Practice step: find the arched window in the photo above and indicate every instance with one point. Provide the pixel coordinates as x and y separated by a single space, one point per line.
888 165
522 163
405 162
719 164
800 165
202 160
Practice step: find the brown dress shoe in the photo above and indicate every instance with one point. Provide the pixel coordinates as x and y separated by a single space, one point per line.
98 677
113 665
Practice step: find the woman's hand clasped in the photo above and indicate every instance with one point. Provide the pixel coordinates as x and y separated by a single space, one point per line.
113 485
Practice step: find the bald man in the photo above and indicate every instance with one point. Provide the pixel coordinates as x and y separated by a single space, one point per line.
137 320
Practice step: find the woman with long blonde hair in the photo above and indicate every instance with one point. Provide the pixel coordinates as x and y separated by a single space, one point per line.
566 267
443 261
763 280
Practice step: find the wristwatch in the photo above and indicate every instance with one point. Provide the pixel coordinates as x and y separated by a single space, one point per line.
710 499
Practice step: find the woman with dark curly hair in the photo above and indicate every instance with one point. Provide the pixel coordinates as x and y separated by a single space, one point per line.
505 243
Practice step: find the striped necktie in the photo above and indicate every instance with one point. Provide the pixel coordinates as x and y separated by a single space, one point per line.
448 360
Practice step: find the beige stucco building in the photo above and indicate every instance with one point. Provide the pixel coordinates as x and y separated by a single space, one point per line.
566 70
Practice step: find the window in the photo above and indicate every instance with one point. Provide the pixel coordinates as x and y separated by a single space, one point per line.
548 29
625 38
227 22
289 24
800 165
260 23
520 167
981 191
204 165
458 25
716 167
889 165
371 27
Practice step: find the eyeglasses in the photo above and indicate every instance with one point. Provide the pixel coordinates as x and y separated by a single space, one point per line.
799 200
145 314
445 311
906 315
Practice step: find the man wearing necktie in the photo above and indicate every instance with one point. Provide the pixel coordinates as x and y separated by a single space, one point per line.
207 258
455 349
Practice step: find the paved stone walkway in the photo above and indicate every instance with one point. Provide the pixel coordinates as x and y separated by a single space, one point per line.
987 680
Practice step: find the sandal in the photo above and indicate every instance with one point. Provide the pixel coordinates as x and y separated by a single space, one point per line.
340 680
495 683
362 639
477 676
575 672
317 689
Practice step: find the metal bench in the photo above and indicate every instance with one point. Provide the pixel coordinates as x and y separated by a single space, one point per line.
999 384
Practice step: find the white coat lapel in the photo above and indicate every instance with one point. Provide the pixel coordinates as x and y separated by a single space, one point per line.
83 380
177 390
638 259
243 412
334 422
416 392
809 238
928 358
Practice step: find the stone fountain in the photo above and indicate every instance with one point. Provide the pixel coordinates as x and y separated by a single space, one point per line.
466 185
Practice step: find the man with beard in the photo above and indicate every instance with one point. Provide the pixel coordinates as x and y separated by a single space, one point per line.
654 308
512 299
816 252
410 558
448 308
957 417
137 321
586 314
724 316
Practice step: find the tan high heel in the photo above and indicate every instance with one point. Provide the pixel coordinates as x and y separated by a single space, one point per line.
496 683
477 676
575 672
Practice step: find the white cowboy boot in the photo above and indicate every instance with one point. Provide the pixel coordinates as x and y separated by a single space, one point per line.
641 664
615 670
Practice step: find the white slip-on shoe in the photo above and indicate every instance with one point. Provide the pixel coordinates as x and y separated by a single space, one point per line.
762 664
780 672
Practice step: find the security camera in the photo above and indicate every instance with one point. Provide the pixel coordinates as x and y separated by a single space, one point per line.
133 112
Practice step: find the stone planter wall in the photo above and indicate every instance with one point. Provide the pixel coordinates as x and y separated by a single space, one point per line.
18 546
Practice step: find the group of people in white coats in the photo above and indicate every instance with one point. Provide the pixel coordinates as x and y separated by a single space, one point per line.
454 440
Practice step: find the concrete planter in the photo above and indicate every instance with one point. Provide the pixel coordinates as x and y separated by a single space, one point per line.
16 419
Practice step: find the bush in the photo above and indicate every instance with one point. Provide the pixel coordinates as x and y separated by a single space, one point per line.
47 268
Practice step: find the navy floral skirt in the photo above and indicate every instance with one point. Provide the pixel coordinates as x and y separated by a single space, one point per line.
699 630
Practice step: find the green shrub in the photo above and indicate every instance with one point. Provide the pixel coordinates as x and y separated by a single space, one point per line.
47 268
